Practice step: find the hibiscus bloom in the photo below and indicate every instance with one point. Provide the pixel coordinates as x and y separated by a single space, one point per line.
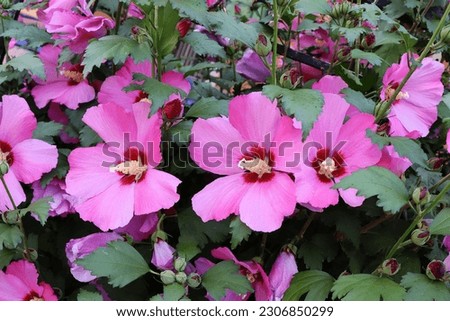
112 89
163 255
254 148
336 149
62 203
20 283
65 85
415 107
282 272
28 158
79 248
121 173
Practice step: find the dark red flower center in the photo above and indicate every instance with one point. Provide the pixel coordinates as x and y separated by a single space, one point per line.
33 296
6 154
142 96
258 165
172 109
133 168
390 90
251 277
328 166
74 74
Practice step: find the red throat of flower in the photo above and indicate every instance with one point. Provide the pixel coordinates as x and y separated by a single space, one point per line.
328 166
133 168
390 90
6 154
74 74
33 296
258 165
142 97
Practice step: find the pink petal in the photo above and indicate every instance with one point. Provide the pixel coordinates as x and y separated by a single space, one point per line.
349 196
87 168
448 141
12 288
282 272
112 91
220 198
76 95
111 209
25 271
157 190
17 122
140 227
254 116
265 204
163 255
391 160
177 80
330 84
33 158
287 146
50 91
414 118
113 124
15 189
216 146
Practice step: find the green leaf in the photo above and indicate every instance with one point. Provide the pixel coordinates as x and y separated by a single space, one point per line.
403 146
357 99
222 276
119 262
239 232
40 208
10 236
421 288
46 131
89 137
228 26
350 33
33 35
27 62
193 9
188 70
167 33
371 57
85 295
60 171
208 107
390 190
304 104
316 6
114 47
181 132
6 256
202 45
174 292
366 287
197 234
441 223
319 248
316 284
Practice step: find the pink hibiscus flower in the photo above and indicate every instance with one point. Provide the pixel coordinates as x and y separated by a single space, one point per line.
336 149
28 158
112 89
66 86
121 173
73 22
255 147
163 255
415 108
392 161
20 283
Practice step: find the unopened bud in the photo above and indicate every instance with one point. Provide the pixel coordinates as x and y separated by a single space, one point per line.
421 195
445 34
368 41
436 270
420 237
4 168
263 45
179 264
341 9
194 280
167 277
181 277
32 254
290 79
183 27
159 235
390 267
436 163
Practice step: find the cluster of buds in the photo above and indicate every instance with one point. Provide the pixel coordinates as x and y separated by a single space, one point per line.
179 276
341 9
436 270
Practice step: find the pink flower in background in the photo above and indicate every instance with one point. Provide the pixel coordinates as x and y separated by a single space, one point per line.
253 148
163 255
20 283
62 202
336 149
252 67
252 270
135 12
121 173
282 272
79 248
74 25
392 161
446 243
56 114
65 85
448 141
112 89
212 3
140 227
27 158
415 108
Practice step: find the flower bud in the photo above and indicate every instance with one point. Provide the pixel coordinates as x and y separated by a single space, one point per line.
368 41
290 79
445 34
159 235
183 27
263 45
181 277
11 217
421 195
390 267
4 168
436 163
341 9
436 270
32 253
194 280
167 277
179 264
5 4
420 237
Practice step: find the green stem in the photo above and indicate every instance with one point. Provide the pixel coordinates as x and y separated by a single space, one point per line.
275 42
418 218
21 227
118 17
385 107
441 181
